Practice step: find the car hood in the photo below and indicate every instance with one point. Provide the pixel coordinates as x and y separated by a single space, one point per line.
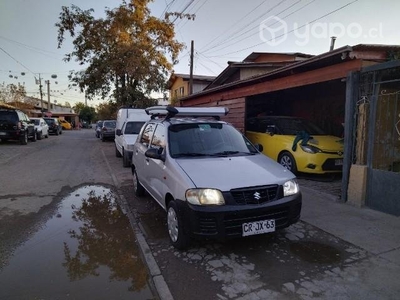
226 173
327 142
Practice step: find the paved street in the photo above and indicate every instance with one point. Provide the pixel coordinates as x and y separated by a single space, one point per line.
310 260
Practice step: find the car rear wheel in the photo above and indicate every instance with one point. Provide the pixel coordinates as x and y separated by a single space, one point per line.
177 234
137 187
39 135
57 133
117 154
287 160
24 139
125 159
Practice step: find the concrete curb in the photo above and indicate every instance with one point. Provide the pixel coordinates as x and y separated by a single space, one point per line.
159 282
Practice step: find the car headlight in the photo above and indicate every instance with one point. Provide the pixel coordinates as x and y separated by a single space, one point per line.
310 149
205 197
290 187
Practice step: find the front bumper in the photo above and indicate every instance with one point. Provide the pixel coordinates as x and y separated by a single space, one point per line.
224 222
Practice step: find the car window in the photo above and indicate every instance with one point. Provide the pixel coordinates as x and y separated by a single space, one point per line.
147 134
133 127
158 140
37 122
207 138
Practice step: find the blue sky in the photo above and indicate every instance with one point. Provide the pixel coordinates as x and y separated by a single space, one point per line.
223 30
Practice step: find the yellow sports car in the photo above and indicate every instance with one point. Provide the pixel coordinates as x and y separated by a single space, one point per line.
297 144
65 124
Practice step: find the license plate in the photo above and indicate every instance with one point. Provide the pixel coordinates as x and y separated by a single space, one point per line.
338 162
258 227
2 133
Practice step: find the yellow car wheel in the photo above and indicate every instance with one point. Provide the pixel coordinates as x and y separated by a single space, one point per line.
287 160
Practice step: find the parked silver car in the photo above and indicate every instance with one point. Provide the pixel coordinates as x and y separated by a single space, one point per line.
212 181
42 129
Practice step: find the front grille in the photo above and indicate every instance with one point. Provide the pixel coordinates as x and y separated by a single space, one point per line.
255 195
329 165
207 225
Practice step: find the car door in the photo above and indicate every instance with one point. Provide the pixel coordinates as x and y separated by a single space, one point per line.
155 173
138 158
119 139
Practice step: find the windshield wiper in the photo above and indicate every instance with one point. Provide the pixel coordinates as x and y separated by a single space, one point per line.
226 153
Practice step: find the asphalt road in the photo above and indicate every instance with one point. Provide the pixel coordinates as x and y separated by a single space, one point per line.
46 181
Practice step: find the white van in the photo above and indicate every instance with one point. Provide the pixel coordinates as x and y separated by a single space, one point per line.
129 123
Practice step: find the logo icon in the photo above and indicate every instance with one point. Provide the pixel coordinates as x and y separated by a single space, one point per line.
257 195
273 30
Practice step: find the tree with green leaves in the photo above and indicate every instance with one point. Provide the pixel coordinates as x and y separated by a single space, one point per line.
87 114
128 53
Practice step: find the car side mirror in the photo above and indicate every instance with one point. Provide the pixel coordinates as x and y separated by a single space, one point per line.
118 132
155 153
259 147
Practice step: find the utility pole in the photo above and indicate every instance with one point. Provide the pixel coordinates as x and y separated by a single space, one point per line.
41 95
191 68
48 95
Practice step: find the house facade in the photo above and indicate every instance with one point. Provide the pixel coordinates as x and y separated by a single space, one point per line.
178 85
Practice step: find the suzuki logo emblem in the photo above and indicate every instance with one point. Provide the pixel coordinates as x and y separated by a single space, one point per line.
257 195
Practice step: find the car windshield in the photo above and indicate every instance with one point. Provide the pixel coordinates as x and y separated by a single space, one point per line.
133 127
203 139
37 122
49 121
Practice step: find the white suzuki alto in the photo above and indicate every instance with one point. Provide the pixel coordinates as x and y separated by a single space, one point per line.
211 180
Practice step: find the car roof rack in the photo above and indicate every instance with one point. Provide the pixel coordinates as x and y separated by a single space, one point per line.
171 111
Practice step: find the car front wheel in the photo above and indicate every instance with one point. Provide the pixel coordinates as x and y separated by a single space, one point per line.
34 136
177 235
137 187
125 159
287 160
39 135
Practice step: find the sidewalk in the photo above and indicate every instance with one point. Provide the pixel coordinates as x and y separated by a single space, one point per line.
376 232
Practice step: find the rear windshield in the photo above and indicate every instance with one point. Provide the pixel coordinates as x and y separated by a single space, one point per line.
133 127
109 124
49 121
9 116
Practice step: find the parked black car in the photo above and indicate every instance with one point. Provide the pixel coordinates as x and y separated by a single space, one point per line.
15 125
54 125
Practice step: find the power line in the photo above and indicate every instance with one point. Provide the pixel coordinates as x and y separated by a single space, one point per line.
194 12
233 25
232 36
283 18
247 48
16 60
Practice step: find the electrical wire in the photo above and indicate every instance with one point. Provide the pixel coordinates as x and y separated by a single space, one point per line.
257 26
313 21
232 35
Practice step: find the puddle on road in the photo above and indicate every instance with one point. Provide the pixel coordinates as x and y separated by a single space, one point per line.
314 252
86 251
